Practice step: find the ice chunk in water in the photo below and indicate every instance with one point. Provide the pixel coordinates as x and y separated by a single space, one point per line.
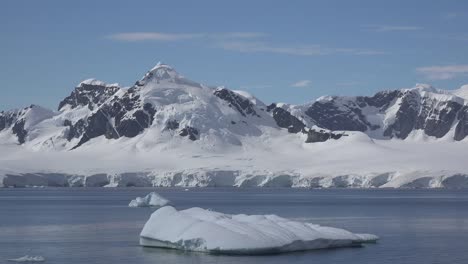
197 229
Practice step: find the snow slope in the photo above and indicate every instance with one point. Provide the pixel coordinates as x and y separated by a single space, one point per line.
197 229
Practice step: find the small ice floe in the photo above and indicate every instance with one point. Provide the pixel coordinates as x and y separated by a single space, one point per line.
186 190
198 229
151 200
28 258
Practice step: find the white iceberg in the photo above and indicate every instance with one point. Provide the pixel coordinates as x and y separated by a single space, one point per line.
28 258
151 200
197 229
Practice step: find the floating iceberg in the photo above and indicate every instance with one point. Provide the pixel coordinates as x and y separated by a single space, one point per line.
28 258
151 200
197 229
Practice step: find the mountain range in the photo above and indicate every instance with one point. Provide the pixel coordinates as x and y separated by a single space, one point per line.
167 130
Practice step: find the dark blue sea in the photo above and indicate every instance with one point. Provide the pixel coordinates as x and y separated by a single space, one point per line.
95 225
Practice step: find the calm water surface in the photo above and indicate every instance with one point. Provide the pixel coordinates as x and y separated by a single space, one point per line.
88 225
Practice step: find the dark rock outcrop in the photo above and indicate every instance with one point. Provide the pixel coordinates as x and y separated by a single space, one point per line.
414 110
321 135
461 130
19 131
240 103
329 115
7 119
284 119
172 125
120 117
191 132
89 94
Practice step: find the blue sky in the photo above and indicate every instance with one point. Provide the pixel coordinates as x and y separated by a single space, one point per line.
289 51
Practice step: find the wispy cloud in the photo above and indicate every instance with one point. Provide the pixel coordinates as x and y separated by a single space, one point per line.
247 42
152 36
389 28
256 86
443 72
239 35
301 84
301 50
161 36
453 15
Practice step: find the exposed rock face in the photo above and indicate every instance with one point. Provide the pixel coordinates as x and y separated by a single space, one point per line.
7 119
321 136
18 121
396 113
330 115
172 125
241 104
191 132
285 119
90 93
124 116
461 130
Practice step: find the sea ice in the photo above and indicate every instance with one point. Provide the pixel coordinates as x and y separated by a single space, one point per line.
151 200
197 229
28 258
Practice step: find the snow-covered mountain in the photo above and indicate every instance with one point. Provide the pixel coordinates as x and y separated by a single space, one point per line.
168 130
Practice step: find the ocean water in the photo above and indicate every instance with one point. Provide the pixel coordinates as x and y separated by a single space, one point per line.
94 225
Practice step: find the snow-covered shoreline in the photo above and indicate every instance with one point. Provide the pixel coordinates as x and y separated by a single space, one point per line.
239 179
348 163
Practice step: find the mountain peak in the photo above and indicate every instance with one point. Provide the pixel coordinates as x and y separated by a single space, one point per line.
160 65
425 87
96 83
165 73
160 72
462 92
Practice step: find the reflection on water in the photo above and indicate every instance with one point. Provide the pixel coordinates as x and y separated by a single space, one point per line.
96 226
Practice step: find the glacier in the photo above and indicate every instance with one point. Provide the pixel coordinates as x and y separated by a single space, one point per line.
197 229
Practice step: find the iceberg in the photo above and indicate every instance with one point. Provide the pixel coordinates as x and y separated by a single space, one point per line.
28 258
151 200
202 230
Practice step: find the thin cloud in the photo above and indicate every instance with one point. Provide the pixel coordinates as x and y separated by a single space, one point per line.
303 50
389 28
247 42
161 36
152 36
301 84
453 15
256 86
443 72
239 35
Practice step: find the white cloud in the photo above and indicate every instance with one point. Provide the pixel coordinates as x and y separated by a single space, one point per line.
388 28
443 72
301 84
301 50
